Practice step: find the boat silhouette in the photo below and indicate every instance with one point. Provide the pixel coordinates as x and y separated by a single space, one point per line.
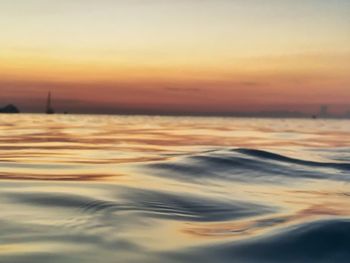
49 109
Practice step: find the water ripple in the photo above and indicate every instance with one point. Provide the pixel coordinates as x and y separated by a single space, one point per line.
134 189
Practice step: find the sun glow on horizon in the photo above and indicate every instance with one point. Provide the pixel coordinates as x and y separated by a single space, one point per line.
161 55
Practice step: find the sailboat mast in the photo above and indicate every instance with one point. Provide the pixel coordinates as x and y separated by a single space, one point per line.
49 109
48 105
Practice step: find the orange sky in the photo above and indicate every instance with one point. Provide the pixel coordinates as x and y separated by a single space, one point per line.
186 56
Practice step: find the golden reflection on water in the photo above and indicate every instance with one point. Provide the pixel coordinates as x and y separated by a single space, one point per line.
98 175
299 206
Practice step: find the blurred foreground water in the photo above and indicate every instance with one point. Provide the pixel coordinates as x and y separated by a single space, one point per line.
173 189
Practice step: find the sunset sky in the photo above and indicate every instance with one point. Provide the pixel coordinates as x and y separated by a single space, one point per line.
161 56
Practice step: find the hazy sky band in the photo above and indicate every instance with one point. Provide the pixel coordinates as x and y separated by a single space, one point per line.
169 55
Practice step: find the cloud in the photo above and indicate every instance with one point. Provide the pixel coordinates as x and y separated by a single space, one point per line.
182 89
249 83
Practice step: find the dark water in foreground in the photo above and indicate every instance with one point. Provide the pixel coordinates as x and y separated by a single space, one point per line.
152 189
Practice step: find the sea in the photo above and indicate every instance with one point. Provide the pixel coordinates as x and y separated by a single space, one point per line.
152 189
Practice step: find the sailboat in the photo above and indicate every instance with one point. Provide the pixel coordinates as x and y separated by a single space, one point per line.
49 109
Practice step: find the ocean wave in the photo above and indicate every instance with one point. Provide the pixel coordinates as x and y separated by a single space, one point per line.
319 241
155 204
281 158
248 165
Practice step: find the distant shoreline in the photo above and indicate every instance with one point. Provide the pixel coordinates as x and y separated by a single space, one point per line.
189 115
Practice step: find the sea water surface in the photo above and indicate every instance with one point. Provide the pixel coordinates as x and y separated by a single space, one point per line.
110 189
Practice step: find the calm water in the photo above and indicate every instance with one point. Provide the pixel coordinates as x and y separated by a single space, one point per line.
157 189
